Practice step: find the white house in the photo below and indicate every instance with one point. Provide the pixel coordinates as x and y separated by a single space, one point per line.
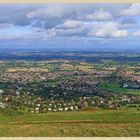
66 108
1 91
71 107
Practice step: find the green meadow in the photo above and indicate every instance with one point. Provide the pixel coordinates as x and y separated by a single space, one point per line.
82 123
117 89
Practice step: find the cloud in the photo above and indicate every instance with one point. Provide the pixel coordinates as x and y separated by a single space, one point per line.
136 33
73 28
69 32
69 28
15 14
70 24
133 10
108 30
14 32
51 12
51 15
50 34
128 21
100 15
49 21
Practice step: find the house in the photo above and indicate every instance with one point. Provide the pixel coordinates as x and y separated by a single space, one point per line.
38 105
136 78
76 107
93 102
2 105
17 93
112 106
125 85
138 98
32 110
110 102
60 109
49 109
71 108
131 84
54 109
1 91
66 108
37 109
126 99
102 102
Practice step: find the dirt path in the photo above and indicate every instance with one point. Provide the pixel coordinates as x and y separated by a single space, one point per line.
81 122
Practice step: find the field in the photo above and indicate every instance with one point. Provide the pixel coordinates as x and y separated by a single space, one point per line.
117 89
93 123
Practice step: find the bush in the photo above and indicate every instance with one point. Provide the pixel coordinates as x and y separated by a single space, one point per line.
90 109
9 111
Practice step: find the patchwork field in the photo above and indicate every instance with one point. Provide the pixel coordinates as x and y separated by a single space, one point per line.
95 123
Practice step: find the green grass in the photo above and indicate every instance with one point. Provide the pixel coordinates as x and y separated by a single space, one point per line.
96 123
116 88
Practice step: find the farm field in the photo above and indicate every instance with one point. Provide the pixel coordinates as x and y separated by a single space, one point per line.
117 89
93 123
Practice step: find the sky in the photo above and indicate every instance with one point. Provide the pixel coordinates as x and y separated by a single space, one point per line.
74 26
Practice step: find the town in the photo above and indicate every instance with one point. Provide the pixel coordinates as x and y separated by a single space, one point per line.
55 85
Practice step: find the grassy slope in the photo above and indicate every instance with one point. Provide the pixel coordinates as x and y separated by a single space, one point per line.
117 89
99 123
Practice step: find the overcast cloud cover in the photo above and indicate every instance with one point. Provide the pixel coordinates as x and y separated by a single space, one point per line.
74 25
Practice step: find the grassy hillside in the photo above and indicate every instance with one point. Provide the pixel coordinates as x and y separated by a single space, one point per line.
96 123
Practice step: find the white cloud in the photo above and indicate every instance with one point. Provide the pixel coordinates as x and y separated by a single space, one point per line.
119 33
50 33
49 12
39 23
100 15
136 33
72 28
133 10
10 31
70 24
109 29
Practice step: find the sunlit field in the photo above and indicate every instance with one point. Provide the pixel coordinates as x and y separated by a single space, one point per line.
94 123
